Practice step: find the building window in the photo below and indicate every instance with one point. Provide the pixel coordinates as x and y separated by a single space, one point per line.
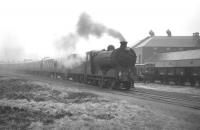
139 59
155 48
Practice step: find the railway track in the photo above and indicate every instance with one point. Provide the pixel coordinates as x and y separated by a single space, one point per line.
178 96
184 100
179 99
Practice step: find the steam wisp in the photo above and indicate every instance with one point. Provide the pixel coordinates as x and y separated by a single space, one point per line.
67 42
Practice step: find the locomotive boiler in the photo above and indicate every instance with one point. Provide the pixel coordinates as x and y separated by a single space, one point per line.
122 57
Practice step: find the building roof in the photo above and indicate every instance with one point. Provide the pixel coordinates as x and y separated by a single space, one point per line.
165 41
180 55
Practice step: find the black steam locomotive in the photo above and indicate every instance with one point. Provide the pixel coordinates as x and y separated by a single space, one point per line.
113 68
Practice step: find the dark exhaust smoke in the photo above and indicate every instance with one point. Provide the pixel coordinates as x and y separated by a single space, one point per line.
116 34
86 27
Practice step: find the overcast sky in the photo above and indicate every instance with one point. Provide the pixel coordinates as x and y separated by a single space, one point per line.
31 28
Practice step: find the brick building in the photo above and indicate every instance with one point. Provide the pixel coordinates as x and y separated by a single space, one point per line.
151 45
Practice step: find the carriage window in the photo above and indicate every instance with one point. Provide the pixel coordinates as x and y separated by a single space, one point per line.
171 71
180 71
196 70
162 71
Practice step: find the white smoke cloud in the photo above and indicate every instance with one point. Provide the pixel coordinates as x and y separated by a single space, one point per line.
10 50
67 42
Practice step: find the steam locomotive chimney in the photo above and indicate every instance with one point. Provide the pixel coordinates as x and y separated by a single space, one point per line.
123 44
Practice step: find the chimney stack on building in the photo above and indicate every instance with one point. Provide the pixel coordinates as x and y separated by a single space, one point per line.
151 33
196 35
169 33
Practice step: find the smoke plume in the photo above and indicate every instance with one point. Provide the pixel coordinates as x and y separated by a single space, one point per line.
86 27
